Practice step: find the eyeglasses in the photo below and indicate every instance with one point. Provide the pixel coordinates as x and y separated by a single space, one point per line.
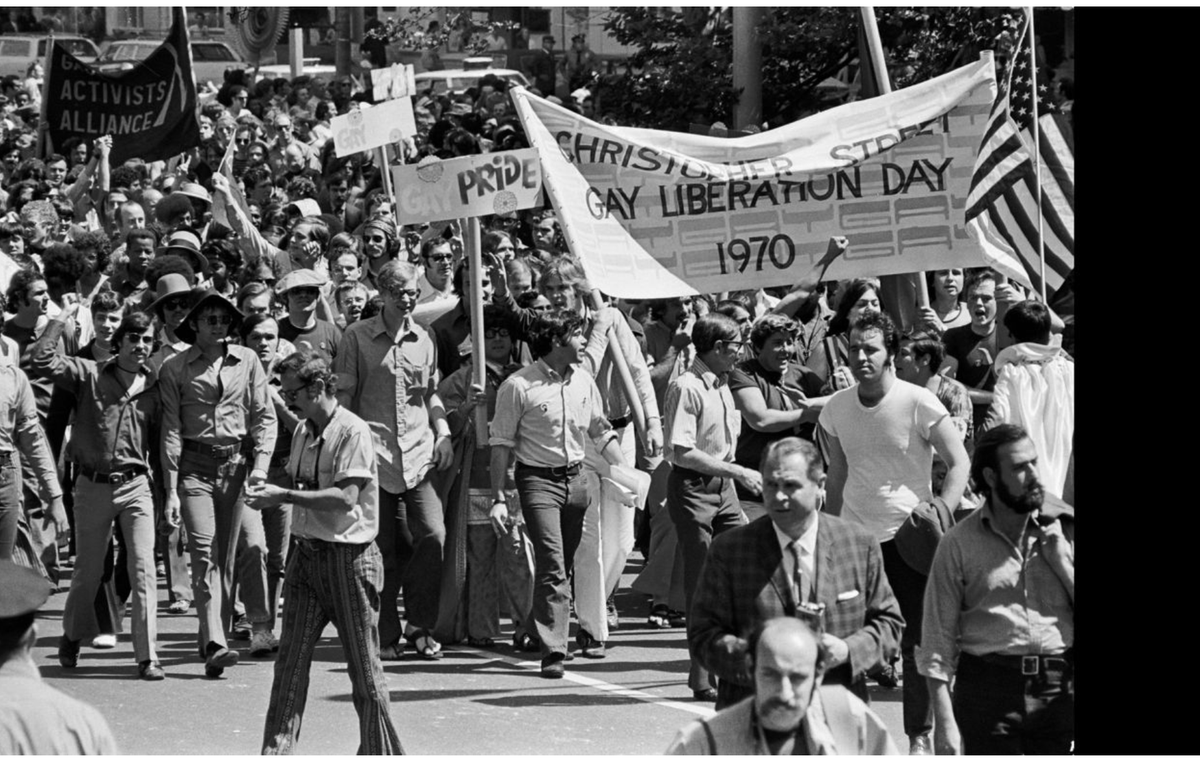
175 305
306 291
492 334
410 294
291 395
443 258
225 320
243 142
737 344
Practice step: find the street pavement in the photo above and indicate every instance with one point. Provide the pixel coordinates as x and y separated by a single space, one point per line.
473 701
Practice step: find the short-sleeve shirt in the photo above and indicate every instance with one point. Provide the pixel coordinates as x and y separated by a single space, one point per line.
700 414
752 374
888 452
976 356
342 451
322 338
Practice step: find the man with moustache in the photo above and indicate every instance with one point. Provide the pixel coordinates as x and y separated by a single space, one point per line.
1000 613
792 711
335 572
116 426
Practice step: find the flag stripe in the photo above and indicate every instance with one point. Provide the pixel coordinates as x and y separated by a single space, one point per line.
1018 203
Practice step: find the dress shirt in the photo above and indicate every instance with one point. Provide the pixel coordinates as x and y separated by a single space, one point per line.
544 416
984 597
807 543
386 378
598 361
113 430
700 414
342 451
21 433
218 403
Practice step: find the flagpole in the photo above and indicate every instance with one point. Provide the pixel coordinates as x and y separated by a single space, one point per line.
1036 128
875 45
45 145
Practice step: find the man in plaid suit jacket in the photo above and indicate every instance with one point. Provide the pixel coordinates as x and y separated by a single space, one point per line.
748 576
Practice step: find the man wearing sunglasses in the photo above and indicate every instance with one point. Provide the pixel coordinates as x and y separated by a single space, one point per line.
301 291
437 286
219 428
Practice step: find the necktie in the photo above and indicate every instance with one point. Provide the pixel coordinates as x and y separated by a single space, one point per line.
801 580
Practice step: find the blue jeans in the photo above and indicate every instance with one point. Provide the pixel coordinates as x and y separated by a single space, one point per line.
1004 712
210 498
412 539
334 582
553 511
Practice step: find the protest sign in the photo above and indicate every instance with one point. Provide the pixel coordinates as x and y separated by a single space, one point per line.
379 125
150 110
397 80
474 185
656 214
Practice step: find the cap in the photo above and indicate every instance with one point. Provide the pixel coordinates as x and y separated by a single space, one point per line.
210 297
548 37
191 189
306 206
579 38
300 277
22 590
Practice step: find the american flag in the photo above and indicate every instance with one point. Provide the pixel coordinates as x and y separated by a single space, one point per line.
1002 204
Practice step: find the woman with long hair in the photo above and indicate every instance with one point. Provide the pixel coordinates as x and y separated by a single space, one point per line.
947 309
830 359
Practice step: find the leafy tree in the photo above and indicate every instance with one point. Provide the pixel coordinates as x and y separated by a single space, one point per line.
681 71
412 29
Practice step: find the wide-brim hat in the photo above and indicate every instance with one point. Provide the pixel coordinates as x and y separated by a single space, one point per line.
185 331
186 245
169 285
193 190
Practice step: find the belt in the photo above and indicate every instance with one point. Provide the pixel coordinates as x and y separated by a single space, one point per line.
622 422
552 472
114 478
220 452
1027 665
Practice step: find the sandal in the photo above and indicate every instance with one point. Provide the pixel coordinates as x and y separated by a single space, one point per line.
524 642
392 652
427 647
481 642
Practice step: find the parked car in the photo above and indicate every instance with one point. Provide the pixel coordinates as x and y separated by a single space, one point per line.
311 67
210 58
17 51
457 80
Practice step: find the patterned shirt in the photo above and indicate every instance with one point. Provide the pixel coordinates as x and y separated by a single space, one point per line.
700 414
386 378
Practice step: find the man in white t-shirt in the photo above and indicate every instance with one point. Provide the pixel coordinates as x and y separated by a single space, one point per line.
880 436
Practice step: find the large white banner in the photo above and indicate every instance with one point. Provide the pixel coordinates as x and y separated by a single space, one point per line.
656 214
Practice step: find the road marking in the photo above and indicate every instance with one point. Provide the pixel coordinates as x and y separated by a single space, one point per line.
597 684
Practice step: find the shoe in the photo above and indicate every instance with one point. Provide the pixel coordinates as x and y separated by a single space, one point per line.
481 642
659 617
886 677
160 571
242 629
613 619
392 652
104 641
150 671
179 607
263 643
552 666
589 646
68 652
920 744
524 642
708 695
677 619
427 647
219 659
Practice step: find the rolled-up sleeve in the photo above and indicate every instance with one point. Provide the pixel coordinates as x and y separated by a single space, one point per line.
355 458
937 655
684 407
507 420
263 423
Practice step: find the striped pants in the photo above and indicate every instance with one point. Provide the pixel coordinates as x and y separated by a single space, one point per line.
334 582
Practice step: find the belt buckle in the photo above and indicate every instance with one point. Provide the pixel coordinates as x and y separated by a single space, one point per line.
116 478
1029 665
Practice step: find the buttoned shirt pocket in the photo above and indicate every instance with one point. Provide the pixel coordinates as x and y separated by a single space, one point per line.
416 379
